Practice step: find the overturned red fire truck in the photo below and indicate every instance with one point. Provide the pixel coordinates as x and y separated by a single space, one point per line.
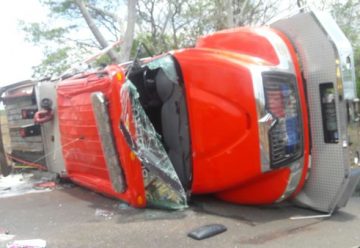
251 115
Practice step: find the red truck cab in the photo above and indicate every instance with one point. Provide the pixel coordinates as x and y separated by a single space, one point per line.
243 115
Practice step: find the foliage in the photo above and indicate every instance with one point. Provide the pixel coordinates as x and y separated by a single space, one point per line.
347 15
162 25
54 63
65 37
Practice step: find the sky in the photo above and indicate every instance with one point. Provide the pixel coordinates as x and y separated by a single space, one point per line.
17 55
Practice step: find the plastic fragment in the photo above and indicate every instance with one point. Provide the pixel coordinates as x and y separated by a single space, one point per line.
45 185
207 231
31 243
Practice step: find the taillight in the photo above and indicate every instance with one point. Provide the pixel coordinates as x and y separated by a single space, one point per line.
22 132
283 103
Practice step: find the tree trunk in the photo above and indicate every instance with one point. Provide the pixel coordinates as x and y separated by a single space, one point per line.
96 32
129 33
229 14
175 38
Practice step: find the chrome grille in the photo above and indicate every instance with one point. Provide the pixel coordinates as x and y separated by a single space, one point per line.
282 102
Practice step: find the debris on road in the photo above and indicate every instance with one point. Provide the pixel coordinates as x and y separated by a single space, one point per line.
45 176
31 243
104 213
6 236
123 206
310 217
207 231
45 185
19 184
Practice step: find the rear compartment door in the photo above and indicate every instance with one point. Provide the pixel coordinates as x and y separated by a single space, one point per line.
50 130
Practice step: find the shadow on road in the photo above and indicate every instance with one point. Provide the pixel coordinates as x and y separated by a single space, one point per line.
200 205
254 215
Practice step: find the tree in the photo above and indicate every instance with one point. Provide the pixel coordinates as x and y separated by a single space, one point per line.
234 13
171 24
69 43
77 27
94 29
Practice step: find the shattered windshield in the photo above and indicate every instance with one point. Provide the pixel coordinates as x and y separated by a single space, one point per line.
162 185
167 64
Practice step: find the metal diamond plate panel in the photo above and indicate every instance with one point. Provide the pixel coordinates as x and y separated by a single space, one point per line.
330 168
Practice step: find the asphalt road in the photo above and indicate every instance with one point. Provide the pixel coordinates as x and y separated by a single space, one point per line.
75 217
